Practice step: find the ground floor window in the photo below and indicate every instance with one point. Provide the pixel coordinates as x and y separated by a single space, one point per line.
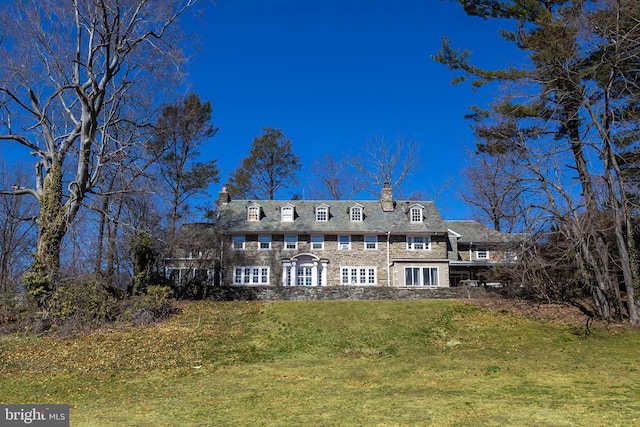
304 270
358 276
251 275
305 276
421 276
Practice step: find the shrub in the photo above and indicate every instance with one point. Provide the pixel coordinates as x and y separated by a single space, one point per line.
149 307
84 300
17 311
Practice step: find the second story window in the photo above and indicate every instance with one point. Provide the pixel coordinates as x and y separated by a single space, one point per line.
418 243
370 242
264 241
317 243
291 241
344 242
238 242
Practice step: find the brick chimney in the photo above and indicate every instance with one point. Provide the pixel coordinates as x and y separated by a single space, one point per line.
223 197
386 198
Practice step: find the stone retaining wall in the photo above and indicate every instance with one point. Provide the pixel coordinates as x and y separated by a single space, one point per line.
281 293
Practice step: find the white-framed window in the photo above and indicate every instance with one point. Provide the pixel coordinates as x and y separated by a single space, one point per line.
304 276
317 242
253 213
370 242
356 213
360 275
239 242
251 275
421 276
482 254
291 241
344 242
418 243
264 241
322 213
415 214
286 213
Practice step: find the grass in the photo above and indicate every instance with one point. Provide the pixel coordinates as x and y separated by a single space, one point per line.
341 363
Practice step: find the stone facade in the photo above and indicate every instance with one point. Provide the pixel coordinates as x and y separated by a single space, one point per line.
369 293
382 243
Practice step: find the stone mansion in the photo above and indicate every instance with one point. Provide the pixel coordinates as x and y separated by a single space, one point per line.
385 242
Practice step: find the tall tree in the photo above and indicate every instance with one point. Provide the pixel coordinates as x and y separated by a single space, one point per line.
68 70
333 179
180 131
382 162
17 227
578 96
493 186
270 167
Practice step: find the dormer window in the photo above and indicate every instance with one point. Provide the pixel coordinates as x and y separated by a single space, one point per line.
287 212
356 213
415 213
322 213
253 213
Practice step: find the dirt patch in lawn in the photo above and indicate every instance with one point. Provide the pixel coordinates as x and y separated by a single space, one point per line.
565 313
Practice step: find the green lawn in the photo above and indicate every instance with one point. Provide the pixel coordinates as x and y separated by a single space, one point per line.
341 363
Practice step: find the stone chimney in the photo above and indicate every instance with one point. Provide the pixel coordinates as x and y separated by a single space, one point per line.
223 197
386 198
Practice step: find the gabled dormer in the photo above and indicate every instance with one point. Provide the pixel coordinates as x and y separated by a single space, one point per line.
415 213
356 213
254 212
287 212
322 212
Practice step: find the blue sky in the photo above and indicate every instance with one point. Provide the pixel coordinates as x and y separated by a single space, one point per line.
334 74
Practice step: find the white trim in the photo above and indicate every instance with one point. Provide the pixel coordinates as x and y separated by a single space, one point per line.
264 238
321 242
295 242
356 213
344 246
358 275
375 242
417 274
256 209
419 210
239 238
251 275
324 209
424 240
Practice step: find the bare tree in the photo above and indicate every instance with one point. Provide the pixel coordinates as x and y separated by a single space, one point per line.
383 162
333 179
64 83
493 186
17 227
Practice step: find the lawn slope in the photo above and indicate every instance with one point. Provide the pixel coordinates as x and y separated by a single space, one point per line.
339 363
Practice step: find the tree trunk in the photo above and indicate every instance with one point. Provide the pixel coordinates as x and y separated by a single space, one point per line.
53 227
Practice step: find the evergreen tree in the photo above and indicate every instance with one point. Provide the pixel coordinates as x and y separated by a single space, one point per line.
270 167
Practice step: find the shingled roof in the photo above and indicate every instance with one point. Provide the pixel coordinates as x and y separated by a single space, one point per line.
474 232
233 217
